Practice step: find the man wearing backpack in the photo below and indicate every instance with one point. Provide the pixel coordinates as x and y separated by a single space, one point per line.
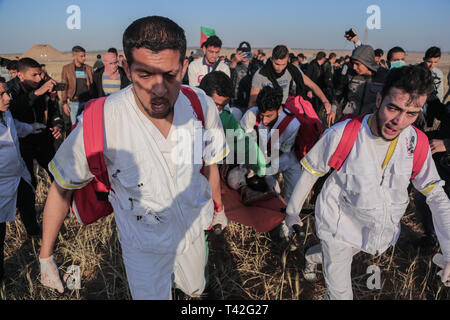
265 122
210 62
278 72
375 157
161 200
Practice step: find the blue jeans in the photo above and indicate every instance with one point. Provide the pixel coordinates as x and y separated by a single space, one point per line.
76 108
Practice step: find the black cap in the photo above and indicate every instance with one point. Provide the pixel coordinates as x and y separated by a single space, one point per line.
245 46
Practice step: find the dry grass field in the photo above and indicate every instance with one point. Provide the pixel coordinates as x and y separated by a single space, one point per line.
243 264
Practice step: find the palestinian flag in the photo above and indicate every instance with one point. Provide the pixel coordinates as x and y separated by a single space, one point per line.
205 33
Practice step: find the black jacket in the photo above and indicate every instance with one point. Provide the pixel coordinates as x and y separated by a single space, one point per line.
29 108
97 86
314 72
357 93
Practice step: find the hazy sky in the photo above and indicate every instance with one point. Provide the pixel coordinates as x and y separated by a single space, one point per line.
414 25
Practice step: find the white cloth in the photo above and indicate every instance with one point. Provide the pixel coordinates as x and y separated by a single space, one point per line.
198 69
361 204
150 275
161 207
12 166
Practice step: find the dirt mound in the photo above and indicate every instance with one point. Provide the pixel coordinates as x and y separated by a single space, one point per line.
43 52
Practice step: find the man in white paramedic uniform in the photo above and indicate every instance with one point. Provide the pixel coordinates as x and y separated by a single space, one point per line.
162 203
361 204
266 119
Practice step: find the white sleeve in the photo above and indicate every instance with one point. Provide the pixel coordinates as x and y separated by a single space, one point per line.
216 147
69 166
248 120
192 75
301 191
224 68
23 129
430 184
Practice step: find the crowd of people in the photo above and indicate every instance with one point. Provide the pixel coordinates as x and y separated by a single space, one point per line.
256 116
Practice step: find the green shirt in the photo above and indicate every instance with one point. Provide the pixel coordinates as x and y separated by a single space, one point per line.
243 144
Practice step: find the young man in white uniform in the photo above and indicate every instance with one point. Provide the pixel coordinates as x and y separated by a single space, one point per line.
153 141
210 62
361 204
270 113
14 176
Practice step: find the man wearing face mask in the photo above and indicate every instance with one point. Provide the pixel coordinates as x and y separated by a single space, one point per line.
396 57
34 100
357 87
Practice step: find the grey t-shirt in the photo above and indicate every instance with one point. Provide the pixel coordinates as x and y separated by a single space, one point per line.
259 81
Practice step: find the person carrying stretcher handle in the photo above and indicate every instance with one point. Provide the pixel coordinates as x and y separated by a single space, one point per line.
364 198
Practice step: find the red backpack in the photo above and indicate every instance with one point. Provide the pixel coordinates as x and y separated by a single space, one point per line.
350 134
90 203
310 125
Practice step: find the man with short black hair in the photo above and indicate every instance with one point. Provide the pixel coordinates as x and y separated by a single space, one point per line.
262 121
365 197
98 63
162 202
78 79
314 70
113 50
3 69
210 62
242 70
278 72
431 59
12 68
378 55
34 100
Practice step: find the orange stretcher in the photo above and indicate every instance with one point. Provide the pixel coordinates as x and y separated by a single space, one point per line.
263 215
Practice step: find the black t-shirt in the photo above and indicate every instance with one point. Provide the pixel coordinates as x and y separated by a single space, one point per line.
82 91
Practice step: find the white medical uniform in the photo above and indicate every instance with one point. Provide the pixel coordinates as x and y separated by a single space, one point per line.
12 166
283 158
360 205
199 68
161 201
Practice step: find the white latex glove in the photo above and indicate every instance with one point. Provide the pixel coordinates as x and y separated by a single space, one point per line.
273 184
291 220
220 218
50 274
438 259
37 127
